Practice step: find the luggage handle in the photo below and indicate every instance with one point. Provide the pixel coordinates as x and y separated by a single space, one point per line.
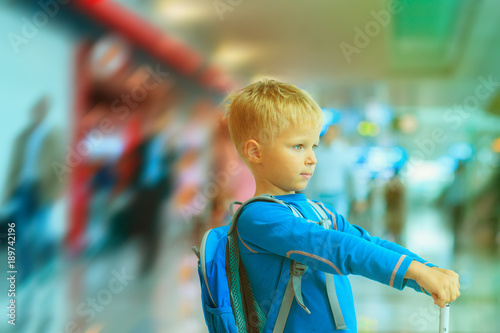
444 319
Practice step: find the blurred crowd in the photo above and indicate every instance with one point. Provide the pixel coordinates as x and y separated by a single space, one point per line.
158 162
118 182
117 152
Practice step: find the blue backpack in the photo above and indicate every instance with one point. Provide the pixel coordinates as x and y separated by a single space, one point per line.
227 299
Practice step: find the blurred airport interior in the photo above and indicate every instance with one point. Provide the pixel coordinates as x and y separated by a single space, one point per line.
115 156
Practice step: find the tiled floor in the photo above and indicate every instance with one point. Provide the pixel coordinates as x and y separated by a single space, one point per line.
169 299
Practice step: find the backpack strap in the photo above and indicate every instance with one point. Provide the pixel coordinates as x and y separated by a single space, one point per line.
334 302
204 263
297 269
235 215
324 220
293 288
329 278
294 285
248 315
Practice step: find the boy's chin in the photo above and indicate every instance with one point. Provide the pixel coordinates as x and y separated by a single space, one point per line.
300 188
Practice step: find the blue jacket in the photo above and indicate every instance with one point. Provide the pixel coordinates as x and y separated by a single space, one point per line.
268 232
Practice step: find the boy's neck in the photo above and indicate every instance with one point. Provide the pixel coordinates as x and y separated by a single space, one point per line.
273 194
276 191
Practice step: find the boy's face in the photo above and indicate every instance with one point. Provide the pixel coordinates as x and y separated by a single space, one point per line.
287 164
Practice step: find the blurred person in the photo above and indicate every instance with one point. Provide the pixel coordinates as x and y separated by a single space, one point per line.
192 202
196 189
333 175
455 198
120 199
394 193
129 193
483 219
100 165
32 188
153 186
122 196
275 128
363 189
100 208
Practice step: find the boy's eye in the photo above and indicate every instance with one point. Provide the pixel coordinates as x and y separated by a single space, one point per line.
315 146
298 147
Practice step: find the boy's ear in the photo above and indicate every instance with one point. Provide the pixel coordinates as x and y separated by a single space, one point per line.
252 151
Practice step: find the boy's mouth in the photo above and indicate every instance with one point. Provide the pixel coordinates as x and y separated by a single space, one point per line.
306 175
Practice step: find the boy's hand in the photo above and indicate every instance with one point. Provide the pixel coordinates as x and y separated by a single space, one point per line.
447 272
442 284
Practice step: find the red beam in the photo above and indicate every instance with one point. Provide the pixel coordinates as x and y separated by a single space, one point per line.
142 33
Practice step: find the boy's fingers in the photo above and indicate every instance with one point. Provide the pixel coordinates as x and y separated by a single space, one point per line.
455 295
443 297
441 304
456 290
441 301
451 273
437 301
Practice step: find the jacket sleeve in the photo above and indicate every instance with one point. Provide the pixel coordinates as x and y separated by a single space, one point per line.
272 228
355 230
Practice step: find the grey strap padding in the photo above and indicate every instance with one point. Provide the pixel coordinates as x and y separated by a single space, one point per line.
329 278
293 289
318 211
235 215
286 305
296 271
231 207
297 280
334 302
294 210
196 251
203 264
288 297
325 221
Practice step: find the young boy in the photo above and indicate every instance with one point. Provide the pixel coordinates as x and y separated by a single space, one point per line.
275 128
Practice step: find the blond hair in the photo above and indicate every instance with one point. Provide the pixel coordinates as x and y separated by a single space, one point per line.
264 109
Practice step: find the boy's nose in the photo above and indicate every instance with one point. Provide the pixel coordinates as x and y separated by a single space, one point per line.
311 159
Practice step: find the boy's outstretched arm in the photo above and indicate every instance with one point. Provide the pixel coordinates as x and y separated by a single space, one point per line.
442 284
